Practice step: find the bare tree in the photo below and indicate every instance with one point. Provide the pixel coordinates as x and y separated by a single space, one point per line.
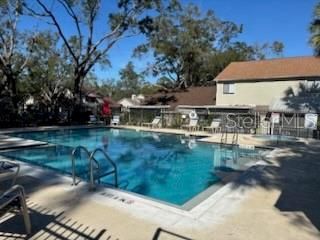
85 49
14 46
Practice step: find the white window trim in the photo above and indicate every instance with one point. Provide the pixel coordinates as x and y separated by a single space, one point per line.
231 88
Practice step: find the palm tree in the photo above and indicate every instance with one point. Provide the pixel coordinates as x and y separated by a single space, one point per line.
315 30
307 96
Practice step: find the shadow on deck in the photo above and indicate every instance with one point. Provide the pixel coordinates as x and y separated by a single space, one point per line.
295 172
47 224
167 235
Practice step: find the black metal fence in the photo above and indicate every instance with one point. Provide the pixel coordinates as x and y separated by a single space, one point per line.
247 122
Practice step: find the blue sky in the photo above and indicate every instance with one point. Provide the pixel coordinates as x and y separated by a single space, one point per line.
263 21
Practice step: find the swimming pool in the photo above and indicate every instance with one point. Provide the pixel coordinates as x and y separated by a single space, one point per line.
276 138
166 167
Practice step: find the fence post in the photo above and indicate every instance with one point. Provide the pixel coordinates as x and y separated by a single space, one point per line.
161 112
129 116
141 116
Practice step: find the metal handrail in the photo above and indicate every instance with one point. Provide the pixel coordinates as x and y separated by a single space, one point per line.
235 137
73 159
115 169
224 137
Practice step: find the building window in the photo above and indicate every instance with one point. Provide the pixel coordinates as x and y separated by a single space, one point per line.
228 88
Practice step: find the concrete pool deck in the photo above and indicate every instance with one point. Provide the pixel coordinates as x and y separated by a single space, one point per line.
276 200
7 142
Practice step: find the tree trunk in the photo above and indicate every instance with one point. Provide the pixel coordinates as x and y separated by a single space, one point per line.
77 91
77 88
12 85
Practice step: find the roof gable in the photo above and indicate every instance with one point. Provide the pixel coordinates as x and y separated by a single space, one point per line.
282 68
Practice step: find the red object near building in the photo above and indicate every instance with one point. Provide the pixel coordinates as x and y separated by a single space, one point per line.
106 109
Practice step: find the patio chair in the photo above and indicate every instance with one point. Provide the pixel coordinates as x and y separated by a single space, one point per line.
115 120
215 126
9 170
93 120
155 123
192 126
13 199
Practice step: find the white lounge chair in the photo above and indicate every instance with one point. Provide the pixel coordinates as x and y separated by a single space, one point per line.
12 199
93 120
155 123
115 120
9 170
215 126
192 126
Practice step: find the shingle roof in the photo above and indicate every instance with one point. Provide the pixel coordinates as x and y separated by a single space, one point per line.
112 102
281 68
132 101
193 96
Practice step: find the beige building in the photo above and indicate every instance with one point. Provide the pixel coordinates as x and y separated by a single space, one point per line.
265 83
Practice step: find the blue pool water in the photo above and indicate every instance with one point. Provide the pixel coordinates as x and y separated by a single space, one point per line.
275 138
165 167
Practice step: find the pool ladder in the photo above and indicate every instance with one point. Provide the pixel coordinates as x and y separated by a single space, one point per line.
94 166
224 138
235 137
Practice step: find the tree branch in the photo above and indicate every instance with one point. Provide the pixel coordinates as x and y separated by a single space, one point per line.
57 25
90 38
99 55
4 44
73 15
129 14
13 28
